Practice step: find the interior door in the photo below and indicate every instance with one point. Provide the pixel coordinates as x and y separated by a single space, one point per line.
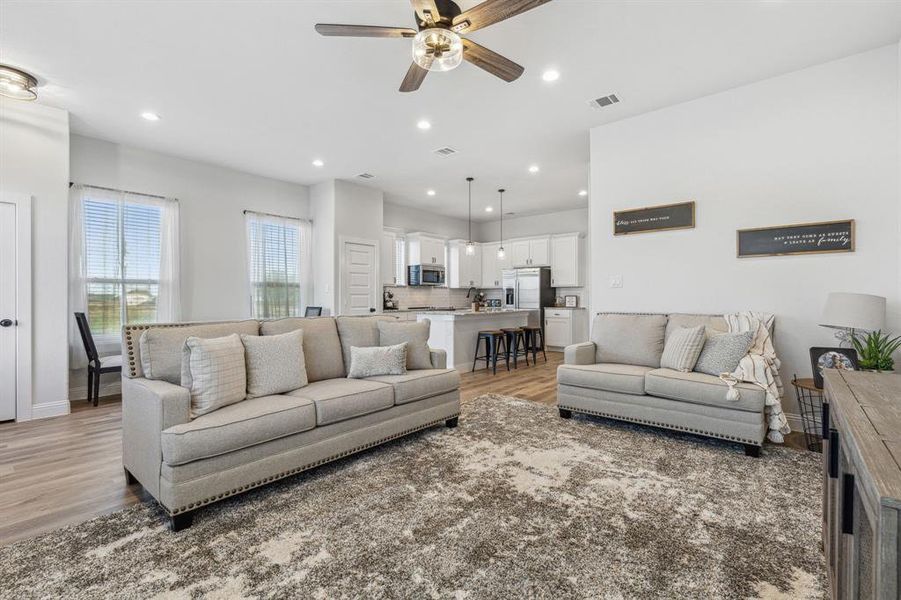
7 311
359 289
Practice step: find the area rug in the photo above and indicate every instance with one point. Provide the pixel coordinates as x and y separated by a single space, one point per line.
515 502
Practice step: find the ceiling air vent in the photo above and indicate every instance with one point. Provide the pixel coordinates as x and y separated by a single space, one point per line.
366 176
604 101
446 151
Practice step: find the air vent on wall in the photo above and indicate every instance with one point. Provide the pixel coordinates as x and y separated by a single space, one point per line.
446 151
366 176
604 101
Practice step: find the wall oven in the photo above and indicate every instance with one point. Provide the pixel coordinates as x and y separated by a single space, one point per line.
425 275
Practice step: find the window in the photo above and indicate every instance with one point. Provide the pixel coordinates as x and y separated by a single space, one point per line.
400 263
121 262
276 253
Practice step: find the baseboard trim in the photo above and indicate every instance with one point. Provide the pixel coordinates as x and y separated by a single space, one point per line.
49 409
795 422
80 393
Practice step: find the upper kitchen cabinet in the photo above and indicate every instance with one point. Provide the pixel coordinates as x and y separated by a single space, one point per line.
566 260
463 270
530 252
391 259
424 249
492 266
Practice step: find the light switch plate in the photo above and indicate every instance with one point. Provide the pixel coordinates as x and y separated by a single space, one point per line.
616 281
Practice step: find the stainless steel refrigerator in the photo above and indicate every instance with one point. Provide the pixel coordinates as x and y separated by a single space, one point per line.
529 288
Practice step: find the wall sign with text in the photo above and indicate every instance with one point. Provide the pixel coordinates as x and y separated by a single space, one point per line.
654 218
804 238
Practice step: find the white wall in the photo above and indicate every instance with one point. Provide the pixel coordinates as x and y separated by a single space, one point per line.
34 160
814 145
564 221
322 206
410 219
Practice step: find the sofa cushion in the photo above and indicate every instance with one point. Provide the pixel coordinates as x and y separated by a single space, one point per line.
626 379
361 332
420 384
683 348
161 346
713 324
414 334
341 399
213 370
238 426
628 339
321 346
700 388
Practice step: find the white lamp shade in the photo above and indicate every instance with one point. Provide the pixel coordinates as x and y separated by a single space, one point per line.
854 311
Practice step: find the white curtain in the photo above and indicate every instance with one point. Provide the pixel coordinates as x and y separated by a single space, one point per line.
168 307
306 264
78 292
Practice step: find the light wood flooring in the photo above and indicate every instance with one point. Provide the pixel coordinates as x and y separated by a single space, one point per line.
64 470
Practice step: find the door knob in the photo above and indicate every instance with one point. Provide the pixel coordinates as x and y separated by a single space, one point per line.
7 323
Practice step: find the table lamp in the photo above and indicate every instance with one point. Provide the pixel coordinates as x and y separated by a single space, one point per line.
854 311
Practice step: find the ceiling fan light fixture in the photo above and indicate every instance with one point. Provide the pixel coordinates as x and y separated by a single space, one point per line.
436 49
17 84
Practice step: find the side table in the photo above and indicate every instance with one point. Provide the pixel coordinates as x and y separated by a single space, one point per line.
810 400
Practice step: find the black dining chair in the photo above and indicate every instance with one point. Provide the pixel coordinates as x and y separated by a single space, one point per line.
313 311
97 365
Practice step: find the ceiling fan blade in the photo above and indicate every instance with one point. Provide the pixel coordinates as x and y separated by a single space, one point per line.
491 61
427 11
414 78
364 31
491 12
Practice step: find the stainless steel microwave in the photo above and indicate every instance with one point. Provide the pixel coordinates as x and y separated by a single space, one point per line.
425 275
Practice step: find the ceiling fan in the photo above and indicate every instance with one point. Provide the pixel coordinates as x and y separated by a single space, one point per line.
437 44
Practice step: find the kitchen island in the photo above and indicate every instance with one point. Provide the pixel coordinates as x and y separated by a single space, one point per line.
456 331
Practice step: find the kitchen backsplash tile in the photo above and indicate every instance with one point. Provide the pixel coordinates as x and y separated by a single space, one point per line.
406 297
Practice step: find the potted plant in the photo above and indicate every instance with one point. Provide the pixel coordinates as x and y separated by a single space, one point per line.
875 349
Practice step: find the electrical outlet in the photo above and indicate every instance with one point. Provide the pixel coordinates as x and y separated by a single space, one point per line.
616 281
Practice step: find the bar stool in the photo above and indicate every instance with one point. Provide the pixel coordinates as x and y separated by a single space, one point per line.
535 342
494 340
515 338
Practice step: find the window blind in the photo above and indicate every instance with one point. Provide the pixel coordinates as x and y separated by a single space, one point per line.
274 258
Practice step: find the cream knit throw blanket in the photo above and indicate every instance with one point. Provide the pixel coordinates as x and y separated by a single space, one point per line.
760 367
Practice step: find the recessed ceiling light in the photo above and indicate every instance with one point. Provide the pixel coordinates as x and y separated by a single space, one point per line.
533 169
430 192
150 116
423 124
583 192
488 209
318 163
550 75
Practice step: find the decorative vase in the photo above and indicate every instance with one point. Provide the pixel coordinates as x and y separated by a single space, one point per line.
476 306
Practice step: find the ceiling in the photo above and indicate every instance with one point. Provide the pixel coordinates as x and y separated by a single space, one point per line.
251 86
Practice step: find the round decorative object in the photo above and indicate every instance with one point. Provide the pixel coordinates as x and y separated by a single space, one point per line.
19 85
437 49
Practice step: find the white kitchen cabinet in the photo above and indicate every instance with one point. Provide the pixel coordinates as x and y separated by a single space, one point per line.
518 252
529 252
566 260
463 270
425 249
563 327
388 259
492 266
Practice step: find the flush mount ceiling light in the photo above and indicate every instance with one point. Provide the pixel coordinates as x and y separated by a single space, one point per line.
489 209
17 84
150 116
437 49
318 163
550 75
470 246
424 125
430 192
500 249
533 169
583 192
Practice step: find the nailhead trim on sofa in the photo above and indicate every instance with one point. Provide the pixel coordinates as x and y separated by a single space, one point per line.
244 488
658 424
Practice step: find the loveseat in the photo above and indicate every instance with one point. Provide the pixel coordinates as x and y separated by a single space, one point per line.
188 463
617 375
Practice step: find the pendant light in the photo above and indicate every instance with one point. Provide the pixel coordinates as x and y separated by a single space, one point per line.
470 246
500 250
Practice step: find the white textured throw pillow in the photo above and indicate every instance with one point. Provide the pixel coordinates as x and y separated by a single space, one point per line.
377 360
683 347
214 372
275 363
723 352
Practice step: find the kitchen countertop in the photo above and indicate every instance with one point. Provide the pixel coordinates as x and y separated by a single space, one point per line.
464 312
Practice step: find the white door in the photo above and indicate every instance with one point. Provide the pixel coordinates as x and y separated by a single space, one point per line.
565 261
490 271
358 288
7 311
557 332
387 260
519 253
539 252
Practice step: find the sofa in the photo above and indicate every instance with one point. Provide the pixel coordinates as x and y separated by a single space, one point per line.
187 463
617 375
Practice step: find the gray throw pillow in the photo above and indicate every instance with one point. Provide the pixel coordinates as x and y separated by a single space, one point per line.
415 335
214 372
722 353
682 349
629 339
377 360
275 363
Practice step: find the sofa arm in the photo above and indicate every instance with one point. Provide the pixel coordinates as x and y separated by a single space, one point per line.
439 358
579 354
148 407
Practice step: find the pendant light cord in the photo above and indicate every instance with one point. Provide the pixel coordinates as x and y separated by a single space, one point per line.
502 216
469 179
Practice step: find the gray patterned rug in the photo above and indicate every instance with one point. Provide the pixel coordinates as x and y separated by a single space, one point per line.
515 502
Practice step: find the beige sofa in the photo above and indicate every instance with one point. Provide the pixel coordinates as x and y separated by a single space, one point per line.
186 464
619 376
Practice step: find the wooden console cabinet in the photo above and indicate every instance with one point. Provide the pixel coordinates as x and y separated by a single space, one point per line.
862 484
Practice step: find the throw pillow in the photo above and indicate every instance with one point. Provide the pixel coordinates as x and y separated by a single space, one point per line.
275 363
683 348
722 353
377 360
360 331
415 335
214 372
